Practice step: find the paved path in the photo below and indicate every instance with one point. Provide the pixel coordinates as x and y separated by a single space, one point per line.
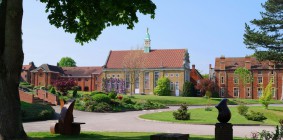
129 122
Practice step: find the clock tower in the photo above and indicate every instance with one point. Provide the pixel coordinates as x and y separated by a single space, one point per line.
147 42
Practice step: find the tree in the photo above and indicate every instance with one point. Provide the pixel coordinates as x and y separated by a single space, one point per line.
205 75
266 95
189 89
133 63
245 76
205 85
67 62
163 87
266 39
86 19
63 85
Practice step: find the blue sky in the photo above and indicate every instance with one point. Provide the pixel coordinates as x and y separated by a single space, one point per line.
207 28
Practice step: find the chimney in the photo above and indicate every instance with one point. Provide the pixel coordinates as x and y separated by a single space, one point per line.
193 67
248 62
222 62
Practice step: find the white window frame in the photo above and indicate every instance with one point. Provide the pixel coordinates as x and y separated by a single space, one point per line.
222 79
260 81
235 90
236 80
273 91
248 91
172 86
259 94
146 79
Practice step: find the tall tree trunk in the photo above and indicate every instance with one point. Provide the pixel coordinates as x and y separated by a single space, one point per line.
11 59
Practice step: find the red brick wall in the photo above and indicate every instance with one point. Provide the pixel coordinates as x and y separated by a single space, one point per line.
48 97
29 98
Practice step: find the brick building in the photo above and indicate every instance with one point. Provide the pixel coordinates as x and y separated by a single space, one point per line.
195 76
230 86
148 66
87 78
26 74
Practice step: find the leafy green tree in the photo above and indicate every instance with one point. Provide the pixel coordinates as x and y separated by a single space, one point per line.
67 62
163 87
86 19
205 75
244 75
189 89
266 38
266 95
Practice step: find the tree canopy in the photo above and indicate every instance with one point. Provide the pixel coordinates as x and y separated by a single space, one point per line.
84 18
88 18
67 62
266 36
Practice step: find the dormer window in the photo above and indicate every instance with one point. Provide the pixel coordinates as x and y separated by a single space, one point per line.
259 72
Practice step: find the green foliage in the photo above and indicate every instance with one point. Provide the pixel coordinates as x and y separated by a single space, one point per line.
182 113
96 92
189 89
36 112
266 95
208 108
101 98
52 90
102 107
112 95
255 116
267 34
42 88
87 26
242 109
163 87
245 76
148 105
75 93
127 101
67 62
49 87
205 75
208 94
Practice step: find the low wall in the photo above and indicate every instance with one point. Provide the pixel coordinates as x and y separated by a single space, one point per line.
48 97
29 98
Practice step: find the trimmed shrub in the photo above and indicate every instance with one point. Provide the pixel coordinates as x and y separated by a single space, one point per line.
112 95
102 107
75 93
243 110
49 87
163 87
255 116
182 113
148 105
127 101
42 88
96 92
101 98
36 112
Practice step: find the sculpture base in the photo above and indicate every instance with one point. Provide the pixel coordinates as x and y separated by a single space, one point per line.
223 131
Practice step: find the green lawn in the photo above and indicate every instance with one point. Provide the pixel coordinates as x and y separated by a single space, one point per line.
173 100
200 116
106 136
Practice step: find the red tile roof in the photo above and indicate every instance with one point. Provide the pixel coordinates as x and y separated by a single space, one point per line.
81 71
167 58
232 63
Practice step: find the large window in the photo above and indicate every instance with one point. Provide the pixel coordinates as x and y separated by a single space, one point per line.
236 92
127 80
137 80
248 91
156 76
259 92
273 91
146 80
171 86
222 91
259 80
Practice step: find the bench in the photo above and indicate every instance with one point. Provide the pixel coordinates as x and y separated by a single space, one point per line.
66 124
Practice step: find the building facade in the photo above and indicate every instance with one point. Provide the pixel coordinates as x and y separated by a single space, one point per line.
230 86
86 78
141 68
26 72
